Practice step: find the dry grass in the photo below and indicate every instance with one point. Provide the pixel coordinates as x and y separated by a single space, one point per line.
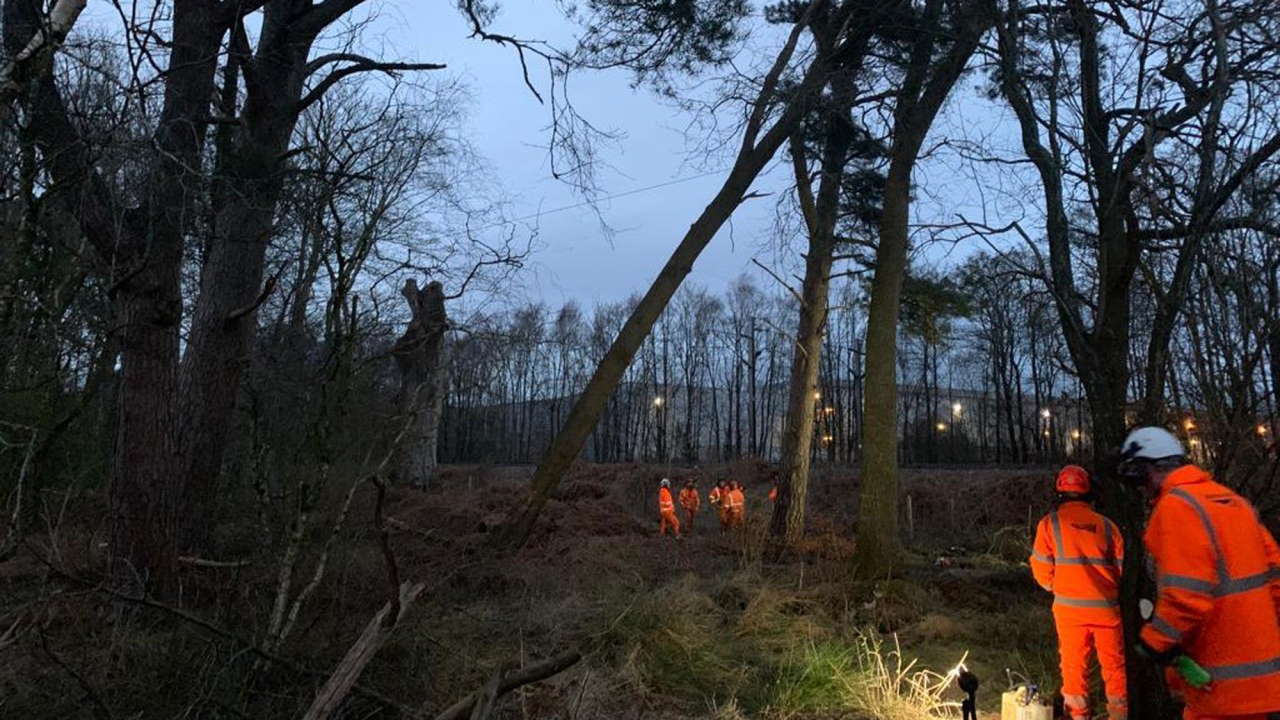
703 628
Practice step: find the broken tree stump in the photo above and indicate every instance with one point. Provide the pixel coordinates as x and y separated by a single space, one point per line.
375 635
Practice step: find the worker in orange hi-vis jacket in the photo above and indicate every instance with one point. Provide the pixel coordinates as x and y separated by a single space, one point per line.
724 506
1217 574
737 505
1077 556
773 491
689 501
667 510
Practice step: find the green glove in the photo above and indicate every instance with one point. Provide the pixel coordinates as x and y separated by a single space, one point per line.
1195 676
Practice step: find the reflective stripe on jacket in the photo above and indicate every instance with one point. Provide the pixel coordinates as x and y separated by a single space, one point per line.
736 499
1077 556
714 496
664 501
1218 592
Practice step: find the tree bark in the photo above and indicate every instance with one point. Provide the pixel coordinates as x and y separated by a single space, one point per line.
419 355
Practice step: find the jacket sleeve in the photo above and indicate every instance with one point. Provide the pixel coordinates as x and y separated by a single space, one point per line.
1273 559
1042 556
1186 573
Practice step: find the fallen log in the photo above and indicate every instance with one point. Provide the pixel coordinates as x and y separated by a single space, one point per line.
478 705
375 635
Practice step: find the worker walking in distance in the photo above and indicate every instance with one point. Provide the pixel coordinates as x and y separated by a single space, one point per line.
1077 556
667 510
689 501
737 505
1218 584
724 504
773 491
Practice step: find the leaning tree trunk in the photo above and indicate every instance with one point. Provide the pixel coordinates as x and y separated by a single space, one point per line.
820 215
797 440
420 356
756 151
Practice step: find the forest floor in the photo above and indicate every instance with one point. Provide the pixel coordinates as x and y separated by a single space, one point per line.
704 627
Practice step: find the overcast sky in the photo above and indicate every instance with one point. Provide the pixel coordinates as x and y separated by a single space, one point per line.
575 258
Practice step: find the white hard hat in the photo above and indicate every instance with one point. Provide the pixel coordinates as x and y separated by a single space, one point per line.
666 482
1151 443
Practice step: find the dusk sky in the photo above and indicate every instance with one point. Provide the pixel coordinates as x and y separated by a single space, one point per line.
575 258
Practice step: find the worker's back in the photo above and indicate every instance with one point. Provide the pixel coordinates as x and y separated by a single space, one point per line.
665 503
1218 574
1078 554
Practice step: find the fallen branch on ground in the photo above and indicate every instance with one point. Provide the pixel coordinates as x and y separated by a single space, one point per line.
201 562
524 676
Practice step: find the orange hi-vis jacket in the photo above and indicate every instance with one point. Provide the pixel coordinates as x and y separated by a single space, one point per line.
737 500
1077 556
1218 593
689 499
665 503
714 496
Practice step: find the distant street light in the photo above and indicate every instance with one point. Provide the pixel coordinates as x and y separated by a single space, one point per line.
942 427
955 409
817 395
1262 429
657 402
1045 413
1189 425
1075 434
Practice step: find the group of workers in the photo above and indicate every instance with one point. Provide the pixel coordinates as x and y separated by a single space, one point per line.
727 498
1217 573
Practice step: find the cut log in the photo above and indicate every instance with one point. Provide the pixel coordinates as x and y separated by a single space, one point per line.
468 706
375 635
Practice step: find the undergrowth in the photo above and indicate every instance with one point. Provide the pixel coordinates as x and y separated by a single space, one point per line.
779 656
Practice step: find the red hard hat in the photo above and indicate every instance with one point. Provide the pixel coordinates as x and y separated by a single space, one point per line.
1073 479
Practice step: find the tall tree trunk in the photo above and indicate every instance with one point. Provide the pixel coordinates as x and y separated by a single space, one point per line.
419 355
820 213
878 541
927 84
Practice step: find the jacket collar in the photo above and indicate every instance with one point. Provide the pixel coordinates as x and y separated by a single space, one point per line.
1185 475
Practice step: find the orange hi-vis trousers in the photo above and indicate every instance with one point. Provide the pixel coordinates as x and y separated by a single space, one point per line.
669 520
1075 641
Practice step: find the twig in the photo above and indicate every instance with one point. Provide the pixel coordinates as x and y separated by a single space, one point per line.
524 676
393 570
